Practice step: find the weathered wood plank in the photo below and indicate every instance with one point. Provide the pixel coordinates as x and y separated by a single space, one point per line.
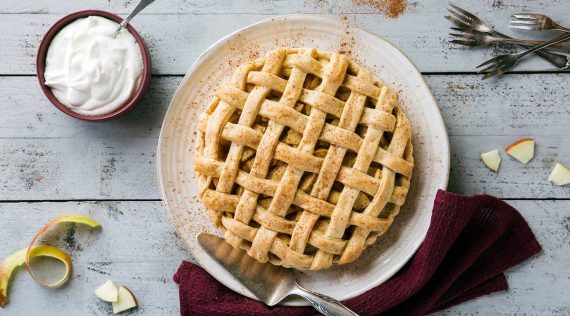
26 113
531 104
146 262
266 6
187 28
514 180
124 168
78 168
517 104
47 155
195 7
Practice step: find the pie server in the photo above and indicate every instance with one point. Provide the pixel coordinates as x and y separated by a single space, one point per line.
270 283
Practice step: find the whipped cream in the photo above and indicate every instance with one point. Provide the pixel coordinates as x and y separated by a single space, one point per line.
90 70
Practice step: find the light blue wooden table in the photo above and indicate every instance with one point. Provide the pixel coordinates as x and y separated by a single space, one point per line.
51 164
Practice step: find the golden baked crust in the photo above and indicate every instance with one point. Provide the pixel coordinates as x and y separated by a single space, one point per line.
303 158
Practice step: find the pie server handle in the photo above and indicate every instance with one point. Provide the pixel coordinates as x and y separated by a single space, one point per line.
326 305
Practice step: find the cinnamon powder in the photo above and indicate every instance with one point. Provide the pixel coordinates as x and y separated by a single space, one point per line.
390 8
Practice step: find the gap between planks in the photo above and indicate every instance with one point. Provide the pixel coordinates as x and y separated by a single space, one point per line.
80 200
424 73
160 200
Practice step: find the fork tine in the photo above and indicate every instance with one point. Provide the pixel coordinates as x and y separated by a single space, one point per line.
524 22
514 18
492 60
465 12
462 35
459 16
457 22
487 69
463 42
529 16
521 27
464 30
497 72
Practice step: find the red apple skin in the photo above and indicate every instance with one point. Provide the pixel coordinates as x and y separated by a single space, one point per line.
134 297
518 142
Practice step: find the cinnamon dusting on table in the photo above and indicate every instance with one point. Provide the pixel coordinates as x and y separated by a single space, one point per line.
318 3
390 8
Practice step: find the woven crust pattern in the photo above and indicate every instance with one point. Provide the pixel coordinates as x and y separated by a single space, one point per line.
303 158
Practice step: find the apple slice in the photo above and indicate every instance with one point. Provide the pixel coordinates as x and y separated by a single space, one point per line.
492 159
522 150
560 175
126 300
108 292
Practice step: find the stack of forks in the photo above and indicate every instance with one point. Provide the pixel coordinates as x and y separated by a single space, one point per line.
473 32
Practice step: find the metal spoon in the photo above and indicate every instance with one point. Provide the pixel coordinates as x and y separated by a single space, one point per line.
143 4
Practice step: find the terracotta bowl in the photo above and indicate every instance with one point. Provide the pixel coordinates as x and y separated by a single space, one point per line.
41 60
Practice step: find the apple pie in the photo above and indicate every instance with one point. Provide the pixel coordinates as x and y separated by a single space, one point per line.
304 158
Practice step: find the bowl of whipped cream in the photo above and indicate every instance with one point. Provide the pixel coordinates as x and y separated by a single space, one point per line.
88 70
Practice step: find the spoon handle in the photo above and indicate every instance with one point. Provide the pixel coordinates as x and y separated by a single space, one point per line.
143 4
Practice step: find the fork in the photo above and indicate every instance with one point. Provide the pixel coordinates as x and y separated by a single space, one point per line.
479 39
535 22
466 20
502 63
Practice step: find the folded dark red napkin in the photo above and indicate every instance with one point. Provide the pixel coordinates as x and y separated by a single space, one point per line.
470 242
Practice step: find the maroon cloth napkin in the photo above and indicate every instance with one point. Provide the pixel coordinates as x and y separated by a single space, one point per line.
470 242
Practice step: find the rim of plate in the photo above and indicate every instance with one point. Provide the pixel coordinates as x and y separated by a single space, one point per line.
211 50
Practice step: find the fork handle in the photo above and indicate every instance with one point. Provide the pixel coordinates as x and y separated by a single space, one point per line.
564 47
556 40
560 61
562 28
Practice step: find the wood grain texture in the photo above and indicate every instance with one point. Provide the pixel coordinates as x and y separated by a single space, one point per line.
146 261
265 6
191 26
47 155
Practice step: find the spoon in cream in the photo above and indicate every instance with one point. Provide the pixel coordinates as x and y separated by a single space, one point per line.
143 4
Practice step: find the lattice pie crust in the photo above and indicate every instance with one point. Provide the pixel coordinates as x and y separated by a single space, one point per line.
304 158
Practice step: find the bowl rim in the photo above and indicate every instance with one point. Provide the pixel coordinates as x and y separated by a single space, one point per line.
41 61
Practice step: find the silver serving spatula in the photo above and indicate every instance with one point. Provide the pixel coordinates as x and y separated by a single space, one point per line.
270 283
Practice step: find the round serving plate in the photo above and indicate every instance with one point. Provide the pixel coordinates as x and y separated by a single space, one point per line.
178 182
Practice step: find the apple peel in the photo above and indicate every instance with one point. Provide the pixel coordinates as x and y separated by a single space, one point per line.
19 258
78 219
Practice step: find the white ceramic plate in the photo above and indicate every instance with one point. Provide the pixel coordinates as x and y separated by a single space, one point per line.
431 149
